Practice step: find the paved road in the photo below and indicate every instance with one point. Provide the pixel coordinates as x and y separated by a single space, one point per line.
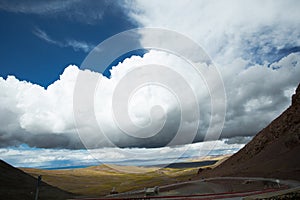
139 194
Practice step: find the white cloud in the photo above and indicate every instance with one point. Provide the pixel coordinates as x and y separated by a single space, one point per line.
229 29
249 42
37 7
246 40
89 12
44 117
76 45
79 45
55 158
44 36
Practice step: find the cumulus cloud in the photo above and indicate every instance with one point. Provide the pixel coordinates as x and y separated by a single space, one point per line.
45 117
257 94
252 30
33 115
254 44
247 41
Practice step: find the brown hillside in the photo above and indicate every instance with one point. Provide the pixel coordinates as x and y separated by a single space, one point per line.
273 152
16 184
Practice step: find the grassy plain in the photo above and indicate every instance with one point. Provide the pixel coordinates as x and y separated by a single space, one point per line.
99 180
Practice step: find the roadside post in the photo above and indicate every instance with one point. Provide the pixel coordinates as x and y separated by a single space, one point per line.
37 187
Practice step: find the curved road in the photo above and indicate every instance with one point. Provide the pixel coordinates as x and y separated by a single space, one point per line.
284 186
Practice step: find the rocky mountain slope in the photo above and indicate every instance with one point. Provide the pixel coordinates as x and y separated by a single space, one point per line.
273 152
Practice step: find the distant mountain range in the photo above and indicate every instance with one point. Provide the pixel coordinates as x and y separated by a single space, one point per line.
274 152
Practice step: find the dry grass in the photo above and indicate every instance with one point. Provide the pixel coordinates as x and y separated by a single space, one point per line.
99 180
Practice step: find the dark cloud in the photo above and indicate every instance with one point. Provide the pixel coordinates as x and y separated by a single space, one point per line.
50 140
238 140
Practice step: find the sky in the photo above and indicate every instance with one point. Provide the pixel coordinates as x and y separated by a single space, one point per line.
247 54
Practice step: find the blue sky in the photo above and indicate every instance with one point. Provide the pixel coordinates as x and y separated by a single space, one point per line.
253 46
25 51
